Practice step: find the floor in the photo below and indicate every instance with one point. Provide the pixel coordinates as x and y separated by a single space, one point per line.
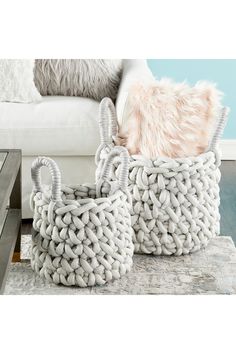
227 207
209 271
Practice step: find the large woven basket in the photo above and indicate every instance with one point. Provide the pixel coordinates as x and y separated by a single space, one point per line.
82 234
175 201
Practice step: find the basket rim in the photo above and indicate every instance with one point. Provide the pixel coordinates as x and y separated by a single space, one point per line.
163 159
47 191
177 159
180 160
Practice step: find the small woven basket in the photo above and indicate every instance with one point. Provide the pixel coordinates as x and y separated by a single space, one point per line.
82 234
175 201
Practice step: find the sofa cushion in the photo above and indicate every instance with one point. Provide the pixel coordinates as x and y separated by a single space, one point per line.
56 126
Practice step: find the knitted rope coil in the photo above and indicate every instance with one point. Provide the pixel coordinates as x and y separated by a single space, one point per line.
82 235
175 201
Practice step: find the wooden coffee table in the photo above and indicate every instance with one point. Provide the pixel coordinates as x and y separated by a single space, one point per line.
10 210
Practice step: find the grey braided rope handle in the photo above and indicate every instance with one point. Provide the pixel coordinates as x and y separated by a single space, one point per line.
219 129
55 173
107 120
124 172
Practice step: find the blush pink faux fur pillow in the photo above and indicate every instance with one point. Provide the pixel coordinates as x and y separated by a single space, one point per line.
169 119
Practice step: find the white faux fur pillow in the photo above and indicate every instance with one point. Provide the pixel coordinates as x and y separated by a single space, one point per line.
17 81
169 119
93 78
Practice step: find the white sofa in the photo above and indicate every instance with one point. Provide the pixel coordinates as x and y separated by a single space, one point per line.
64 128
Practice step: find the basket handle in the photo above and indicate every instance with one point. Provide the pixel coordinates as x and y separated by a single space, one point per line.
107 120
219 128
122 152
55 173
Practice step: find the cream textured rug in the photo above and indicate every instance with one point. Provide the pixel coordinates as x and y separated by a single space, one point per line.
210 271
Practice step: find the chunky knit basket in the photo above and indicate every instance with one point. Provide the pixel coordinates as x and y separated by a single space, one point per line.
175 201
82 234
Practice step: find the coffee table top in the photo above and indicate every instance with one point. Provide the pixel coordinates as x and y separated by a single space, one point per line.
3 156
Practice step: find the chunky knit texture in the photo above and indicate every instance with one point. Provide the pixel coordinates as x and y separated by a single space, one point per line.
175 201
82 234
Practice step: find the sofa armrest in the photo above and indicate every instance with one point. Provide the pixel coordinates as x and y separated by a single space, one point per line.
134 70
